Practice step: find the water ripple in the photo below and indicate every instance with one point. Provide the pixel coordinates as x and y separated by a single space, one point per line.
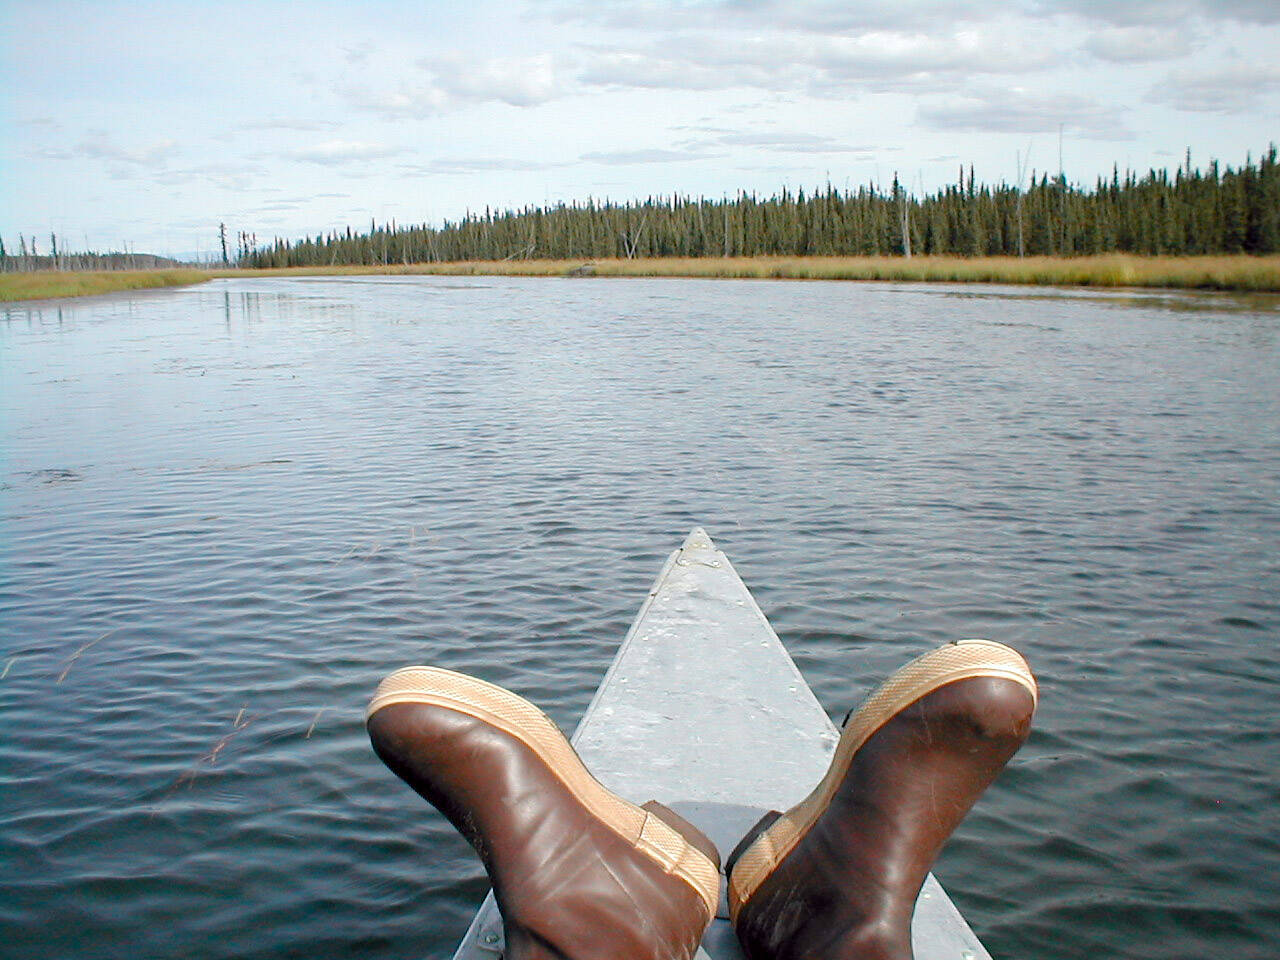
228 511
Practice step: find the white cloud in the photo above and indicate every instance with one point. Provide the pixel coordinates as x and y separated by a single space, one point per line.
1169 15
342 151
452 81
1019 111
228 176
642 156
100 145
496 102
1230 89
406 100
825 65
517 81
1126 12
658 69
1139 44
751 16
467 165
1246 11
792 143
301 126
357 54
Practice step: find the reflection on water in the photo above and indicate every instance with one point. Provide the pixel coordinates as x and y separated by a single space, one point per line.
229 510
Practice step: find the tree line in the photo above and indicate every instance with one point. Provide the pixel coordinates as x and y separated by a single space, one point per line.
1185 212
1188 211
27 257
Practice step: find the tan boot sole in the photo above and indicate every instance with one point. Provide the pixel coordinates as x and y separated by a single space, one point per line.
526 723
956 661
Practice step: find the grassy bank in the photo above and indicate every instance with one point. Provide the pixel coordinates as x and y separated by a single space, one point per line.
50 284
1203 273
1242 273
1195 273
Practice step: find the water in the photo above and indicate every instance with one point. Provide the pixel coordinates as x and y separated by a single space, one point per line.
229 510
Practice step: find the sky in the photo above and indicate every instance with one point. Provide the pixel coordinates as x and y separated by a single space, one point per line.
148 124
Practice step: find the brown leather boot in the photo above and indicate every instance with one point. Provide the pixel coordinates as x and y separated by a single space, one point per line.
578 872
836 877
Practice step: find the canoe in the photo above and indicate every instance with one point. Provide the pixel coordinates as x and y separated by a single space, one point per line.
703 710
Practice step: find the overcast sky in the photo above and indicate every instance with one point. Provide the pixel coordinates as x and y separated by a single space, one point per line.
150 123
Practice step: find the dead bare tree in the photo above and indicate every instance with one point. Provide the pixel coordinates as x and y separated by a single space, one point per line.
1022 170
629 243
901 193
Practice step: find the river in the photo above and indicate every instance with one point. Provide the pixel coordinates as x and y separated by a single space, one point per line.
227 511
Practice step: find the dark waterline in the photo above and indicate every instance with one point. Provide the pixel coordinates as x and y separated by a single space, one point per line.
228 511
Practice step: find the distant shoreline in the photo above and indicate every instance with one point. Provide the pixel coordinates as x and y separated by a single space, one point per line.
63 284
1241 273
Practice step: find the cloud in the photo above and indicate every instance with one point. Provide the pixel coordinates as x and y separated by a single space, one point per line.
357 54
1246 11
832 50
889 60
517 81
703 126
229 176
643 156
1125 12
1231 89
466 165
656 68
822 65
754 15
1139 44
791 143
1018 111
406 101
1169 15
122 163
452 81
302 126
100 145
333 152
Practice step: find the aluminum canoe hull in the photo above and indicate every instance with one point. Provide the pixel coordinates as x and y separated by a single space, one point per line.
704 710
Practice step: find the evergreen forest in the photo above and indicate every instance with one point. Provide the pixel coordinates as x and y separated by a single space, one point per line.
1189 211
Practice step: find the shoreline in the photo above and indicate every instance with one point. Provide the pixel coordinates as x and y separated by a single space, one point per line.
1231 273
41 285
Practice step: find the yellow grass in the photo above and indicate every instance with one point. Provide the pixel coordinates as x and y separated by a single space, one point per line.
1207 273
1242 273
1202 273
51 284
